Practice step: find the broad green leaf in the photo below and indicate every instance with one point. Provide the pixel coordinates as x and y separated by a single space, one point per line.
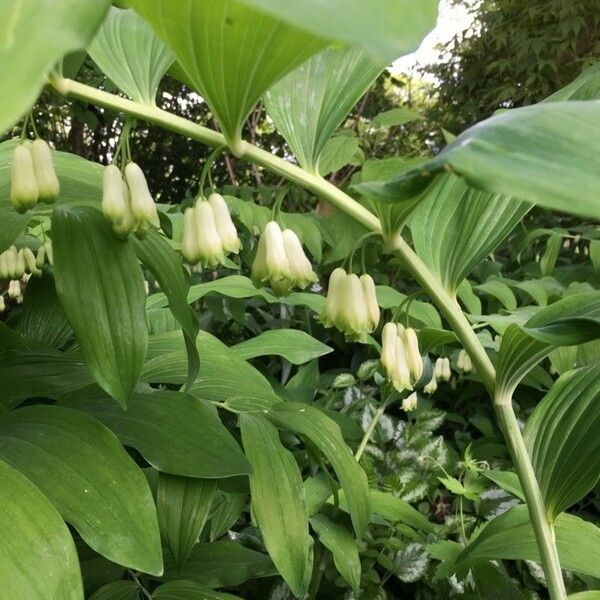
570 321
312 101
562 439
339 151
188 590
131 55
117 590
230 53
101 289
38 560
544 154
507 480
455 227
342 545
430 338
421 314
226 514
167 267
12 225
585 87
500 291
511 537
222 564
294 345
388 29
84 471
183 505
202 446
33 38
277 502
325 434
80 181
396 117
470 300
395 510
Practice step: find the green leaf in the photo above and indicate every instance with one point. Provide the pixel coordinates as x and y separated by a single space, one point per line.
38 560
455 227
203 447
34 37
421 314
396 117
339 151
342 545
507 480
294 345
590 595
562 439
183 505
230 53
188 590
545 154
101 289
312 101
585 87
500 291
395 510
548 260
222 564
84 471
226 514
511 537
277 502
570 321
12 225
387 29
167 267
117 590
325 434
129 53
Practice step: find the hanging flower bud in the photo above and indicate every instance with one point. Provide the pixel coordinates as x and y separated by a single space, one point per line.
11 266
24 188
271 263
410 402
400 376
49 253
2 304
464 362
114 201
368 286
334 300
124 227
354 319
301 271
20 265
225 227
4 266
431 387
143 208
30 262
388 347
413 355
47 182
189 242
14 290
40 257
209 248
441 370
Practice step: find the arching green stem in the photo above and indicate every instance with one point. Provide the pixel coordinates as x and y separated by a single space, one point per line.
443 300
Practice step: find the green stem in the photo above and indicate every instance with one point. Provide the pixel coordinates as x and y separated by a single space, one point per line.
544 531
447 305
370 429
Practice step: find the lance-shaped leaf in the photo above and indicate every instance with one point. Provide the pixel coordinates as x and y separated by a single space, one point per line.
34 36
562 439
128 51
455 227
117 590
547 154
167 267
101 289
585 87
230 53
277 502
568 322
38 560
386 28
93 483
183 505
312 101
188 590
203 447
510 536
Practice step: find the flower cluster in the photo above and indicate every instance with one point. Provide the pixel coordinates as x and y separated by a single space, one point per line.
400 356
351 304
280 261
33 177
441 372
14 264
208 232
127 202
464 362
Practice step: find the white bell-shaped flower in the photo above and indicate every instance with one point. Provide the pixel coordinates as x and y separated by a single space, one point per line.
301 271
209 249
271 263
368 286
410 402
225 227
24 189
413 355
47 181
143 208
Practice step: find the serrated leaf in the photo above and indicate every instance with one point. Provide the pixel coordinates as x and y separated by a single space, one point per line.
396 116
38 560
230 53
562 439
203 447
339 151
312 101
183 505
129 53
35 36
455 227
296 346
101 289
84 471
277 502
